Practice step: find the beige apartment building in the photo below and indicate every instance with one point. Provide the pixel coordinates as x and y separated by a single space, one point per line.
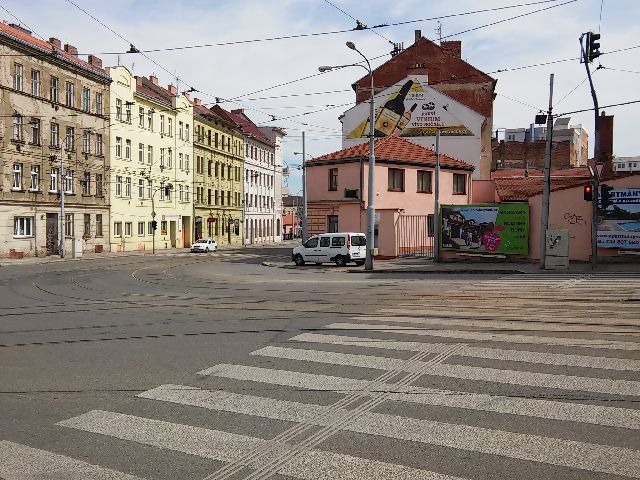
51 102
151 171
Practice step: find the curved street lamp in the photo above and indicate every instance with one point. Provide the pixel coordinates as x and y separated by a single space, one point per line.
372 159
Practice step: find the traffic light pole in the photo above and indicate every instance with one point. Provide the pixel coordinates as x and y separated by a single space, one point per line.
546 192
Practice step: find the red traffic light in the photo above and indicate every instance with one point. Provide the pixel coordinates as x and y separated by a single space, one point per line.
588 193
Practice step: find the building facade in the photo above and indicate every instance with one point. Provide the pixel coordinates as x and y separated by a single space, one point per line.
151 172
54 107
626 164
218 184
276 136
260 169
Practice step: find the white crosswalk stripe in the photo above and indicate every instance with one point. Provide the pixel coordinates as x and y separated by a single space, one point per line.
490 336
226 447
545 358
19 462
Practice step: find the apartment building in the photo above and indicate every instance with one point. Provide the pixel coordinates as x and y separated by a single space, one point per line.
54 117
218 151
151 172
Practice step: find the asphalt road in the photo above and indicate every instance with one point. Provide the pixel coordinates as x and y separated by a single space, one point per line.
213 366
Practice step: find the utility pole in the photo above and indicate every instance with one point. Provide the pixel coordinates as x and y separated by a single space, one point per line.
62 186
589 52
436 206
547 179
305 228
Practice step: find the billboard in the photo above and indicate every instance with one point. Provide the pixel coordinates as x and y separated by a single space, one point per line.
490 228
412 109
619 219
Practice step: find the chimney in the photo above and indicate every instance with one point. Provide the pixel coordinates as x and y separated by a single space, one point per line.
238 111
20 27
197 102
172 89
605 124
453 46
56 43
71 50
418 35
153 79
138 81
95 61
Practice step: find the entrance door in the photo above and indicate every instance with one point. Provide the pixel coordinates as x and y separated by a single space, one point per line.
172 233
186 232
52 233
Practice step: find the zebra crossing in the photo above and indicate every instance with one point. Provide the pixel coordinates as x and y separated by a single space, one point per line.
548 397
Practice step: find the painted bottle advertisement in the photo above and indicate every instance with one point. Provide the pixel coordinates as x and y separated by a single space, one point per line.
404 120
392 111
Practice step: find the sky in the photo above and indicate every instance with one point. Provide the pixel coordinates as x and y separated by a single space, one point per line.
279 78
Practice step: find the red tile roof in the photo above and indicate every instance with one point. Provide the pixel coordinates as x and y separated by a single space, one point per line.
46 47
247 127
222 114
150 89
521 189
393 148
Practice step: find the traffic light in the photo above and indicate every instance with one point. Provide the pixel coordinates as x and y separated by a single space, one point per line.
154 225
593 46
588 193
605 196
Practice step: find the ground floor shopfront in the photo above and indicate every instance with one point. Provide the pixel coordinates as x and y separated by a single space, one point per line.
34 230
262 228
222 224
135 232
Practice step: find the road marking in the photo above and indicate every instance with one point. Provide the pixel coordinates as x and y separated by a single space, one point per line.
572 412
582 361
19 462
512 377
490 337
227 447
562 452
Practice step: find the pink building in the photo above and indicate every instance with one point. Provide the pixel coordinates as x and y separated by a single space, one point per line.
337 190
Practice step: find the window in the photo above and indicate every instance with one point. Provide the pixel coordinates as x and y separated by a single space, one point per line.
140 188
17 177
337 241
312 243
216 170
141 153
141 117
127 187
118 147
325 241
150 228
181 161
149 155
69 90
87 225
98 225
35 83
68 225
98 185
162 190
169 126
162 158
186 193
98 104
17 127
127 150
35 178
169 158
161 124
141 229
70 140
333 179
86 99
459 184
149 188
86 183
18 76
222 197
186 133
150 119
424 181
180 130
22 226
186 163
98 144
35 131
53 89
55 135
127 111
128 228
68 181
181 192
117 229
396 180
118 109
53 180
118 186
163 227
86 142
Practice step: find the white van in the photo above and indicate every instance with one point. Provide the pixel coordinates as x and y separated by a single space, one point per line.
340 248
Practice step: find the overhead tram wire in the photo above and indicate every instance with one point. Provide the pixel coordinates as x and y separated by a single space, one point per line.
359 24
601 107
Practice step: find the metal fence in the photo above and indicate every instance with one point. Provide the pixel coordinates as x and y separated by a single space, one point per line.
414 236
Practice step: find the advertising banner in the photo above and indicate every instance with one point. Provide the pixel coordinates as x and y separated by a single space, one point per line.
412 109
619 215
490 228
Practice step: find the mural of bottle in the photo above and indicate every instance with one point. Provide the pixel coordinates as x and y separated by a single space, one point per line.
366 128
404 120
392 111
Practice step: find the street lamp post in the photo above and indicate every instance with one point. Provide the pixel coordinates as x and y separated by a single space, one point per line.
372 159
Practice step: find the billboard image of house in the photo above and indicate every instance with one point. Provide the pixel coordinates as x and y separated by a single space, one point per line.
619 214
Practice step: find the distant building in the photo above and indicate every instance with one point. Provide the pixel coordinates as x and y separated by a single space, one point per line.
276 136
52 99
626 164
292 206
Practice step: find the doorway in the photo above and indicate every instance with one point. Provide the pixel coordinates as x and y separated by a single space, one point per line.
172 233
52 234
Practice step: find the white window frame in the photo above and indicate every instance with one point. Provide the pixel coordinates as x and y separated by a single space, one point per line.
169 158
127 111
127 187
141 117
55 135
118 185
54 89
117 229
18 76
35 82
127 149
17 127
128 229
86 183
68 181
141 230
35 131
98 144
86 141
86 99
53 180
98 103
149 154
119 109
68 225
35 178
141 188
98 185
118 147
140 152
69 90
23 227
16 183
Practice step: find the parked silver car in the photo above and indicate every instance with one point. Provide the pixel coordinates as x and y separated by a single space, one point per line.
204 245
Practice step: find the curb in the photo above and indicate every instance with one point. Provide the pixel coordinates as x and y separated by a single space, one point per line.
443 271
